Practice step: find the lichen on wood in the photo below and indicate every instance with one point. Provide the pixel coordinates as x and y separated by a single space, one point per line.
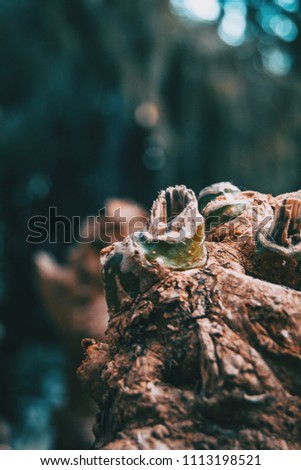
203 358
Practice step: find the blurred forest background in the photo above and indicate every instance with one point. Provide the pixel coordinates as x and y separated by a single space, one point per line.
102 98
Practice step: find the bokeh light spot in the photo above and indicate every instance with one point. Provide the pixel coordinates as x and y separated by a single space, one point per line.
232 27
39 185
284 27
288 5
277 61
147 114
197 10
154 158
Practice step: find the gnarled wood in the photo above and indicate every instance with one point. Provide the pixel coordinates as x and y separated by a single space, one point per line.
204 358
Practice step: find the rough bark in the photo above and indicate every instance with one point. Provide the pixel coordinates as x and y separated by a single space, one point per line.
206 358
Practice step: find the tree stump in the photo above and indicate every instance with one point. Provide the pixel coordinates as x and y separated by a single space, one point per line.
208 357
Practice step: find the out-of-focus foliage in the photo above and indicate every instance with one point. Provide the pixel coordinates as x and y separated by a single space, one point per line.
274 25
104 98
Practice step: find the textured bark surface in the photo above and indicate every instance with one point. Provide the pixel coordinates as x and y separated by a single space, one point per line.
205 358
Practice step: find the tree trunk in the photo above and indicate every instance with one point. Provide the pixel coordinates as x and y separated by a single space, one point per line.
205 358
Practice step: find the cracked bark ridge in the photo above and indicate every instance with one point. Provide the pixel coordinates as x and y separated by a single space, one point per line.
206 358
